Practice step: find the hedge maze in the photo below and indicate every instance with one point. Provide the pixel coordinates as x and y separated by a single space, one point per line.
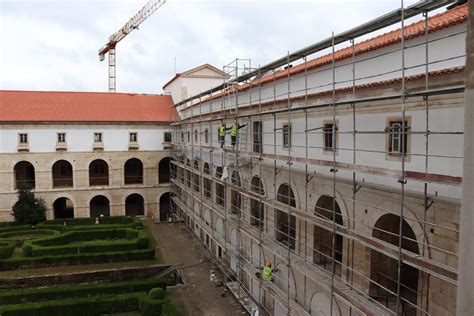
77 242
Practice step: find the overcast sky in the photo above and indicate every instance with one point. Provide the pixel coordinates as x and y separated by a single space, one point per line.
53 45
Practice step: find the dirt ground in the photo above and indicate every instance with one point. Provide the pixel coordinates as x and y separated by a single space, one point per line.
198 294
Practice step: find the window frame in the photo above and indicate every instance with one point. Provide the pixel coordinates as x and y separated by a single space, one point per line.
257 136
61 138
287 135
101 139
22 136
133 137
397 155
328 132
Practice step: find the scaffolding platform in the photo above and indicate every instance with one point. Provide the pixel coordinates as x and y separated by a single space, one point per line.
242 297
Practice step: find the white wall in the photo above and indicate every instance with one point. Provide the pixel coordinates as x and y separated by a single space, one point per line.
446 49
79 138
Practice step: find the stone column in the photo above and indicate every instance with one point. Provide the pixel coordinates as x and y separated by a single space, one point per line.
465 291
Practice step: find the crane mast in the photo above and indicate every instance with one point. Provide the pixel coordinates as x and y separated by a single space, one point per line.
114 39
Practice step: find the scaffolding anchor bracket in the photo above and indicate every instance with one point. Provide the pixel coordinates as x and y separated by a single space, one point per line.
402 181
309 178
357 188
428 204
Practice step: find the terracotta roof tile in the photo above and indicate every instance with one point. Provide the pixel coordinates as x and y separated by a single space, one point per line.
51 106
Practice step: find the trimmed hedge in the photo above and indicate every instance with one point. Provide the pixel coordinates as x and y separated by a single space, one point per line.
10 224
82 290
99 246
6 248
86 235
83 258
76 307
19 236
149 307
91 221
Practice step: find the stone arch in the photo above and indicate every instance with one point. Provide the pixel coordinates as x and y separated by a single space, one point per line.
207 217
63 207
98 172
134 205
133 171
220 226
196 182
62 174
257 209
188 173
166 206
384 269
328 209
285 225
99 206
164 170
321 305
220 193
24 173
280 278
235 196
207 183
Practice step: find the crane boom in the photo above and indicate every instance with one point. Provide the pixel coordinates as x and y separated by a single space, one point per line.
131 25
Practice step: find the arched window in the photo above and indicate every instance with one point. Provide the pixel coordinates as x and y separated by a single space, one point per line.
24 175
133 171
63 208
327 208
99 206
285 224
188 174
134 205
257 209
235 197
207 182
62 174
196 176
98 172
384 269
164 168
220 200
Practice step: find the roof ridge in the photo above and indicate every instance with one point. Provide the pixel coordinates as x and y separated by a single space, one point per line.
83 92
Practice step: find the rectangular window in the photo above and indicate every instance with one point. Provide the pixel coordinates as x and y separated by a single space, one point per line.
195 135
189 136
61 137
329 136
182 137
206 136
98 137
168 137
397 144
287 135
257 137
133 137
23 138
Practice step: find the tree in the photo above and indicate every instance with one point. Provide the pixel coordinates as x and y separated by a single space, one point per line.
29 209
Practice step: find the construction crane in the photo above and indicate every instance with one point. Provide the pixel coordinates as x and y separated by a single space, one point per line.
131 25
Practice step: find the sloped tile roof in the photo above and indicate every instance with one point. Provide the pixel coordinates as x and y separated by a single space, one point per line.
52 106
436 22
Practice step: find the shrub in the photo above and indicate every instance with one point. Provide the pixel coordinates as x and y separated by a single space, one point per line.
6 248
83 258
76 307
157 293
29 209
81 290
149 307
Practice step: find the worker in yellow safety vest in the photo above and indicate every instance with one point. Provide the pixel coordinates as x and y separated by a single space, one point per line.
267 273
222 130
234 129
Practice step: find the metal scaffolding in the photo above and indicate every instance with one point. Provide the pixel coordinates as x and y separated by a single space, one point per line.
202 193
